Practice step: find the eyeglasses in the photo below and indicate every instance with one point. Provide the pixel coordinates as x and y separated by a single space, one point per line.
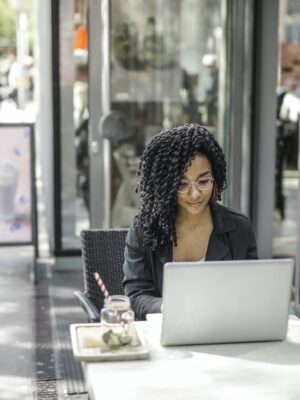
201 184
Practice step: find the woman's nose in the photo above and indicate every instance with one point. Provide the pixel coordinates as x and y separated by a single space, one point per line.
194 191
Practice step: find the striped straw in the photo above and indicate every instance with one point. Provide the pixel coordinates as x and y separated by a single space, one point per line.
101 285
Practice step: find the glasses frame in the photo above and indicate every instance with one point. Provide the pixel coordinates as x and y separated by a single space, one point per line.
196 183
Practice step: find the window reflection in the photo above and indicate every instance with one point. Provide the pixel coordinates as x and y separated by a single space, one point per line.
165 58
287 135
165 71
74 120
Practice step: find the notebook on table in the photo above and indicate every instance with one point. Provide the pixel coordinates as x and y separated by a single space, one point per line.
226 301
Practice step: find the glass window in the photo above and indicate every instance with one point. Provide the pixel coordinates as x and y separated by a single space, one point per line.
286 218
165 71
74 114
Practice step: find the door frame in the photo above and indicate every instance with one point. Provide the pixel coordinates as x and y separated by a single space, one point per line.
99 105
264 123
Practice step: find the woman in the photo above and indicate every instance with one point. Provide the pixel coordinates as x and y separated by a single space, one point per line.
182 174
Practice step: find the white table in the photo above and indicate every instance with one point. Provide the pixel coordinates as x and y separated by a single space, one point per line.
242 371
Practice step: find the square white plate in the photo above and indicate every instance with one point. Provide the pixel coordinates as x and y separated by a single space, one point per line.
88 345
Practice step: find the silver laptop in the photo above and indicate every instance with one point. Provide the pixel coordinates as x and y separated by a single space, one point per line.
226 301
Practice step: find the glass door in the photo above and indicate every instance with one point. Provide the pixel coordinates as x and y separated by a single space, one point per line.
123 71
71 108
165 66
166 60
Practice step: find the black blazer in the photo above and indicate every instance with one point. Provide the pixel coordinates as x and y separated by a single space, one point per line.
232 238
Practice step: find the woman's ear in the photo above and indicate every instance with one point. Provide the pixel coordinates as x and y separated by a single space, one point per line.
215 194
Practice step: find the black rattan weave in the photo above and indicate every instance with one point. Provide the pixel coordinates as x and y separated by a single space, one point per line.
103 252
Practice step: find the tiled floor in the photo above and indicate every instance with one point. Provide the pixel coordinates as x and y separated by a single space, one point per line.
17 351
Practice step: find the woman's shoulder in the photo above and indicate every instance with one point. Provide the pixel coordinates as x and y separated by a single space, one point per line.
228 214
135 231
135 226
235 213
238 230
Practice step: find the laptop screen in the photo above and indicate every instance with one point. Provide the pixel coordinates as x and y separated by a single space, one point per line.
226 301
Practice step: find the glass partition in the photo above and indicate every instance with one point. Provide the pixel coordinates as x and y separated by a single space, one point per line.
285 227
286 222
165 71
152 65
74 113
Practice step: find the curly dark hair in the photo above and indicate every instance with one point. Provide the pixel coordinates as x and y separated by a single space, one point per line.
164 161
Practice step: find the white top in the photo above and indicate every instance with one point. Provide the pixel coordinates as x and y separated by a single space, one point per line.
260 371
290 107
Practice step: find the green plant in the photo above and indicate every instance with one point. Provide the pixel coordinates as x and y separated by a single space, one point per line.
7 24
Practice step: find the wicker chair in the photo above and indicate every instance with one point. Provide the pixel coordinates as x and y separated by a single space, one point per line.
102 252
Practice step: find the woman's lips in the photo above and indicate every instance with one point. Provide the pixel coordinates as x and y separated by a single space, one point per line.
194 204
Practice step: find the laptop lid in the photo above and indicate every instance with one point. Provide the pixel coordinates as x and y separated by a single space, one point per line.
226 301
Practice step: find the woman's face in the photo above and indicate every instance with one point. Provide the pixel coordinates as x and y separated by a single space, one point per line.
195 201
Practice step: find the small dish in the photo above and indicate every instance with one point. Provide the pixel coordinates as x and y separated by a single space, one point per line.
88 345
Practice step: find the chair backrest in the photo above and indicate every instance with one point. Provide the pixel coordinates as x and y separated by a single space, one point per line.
103 252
